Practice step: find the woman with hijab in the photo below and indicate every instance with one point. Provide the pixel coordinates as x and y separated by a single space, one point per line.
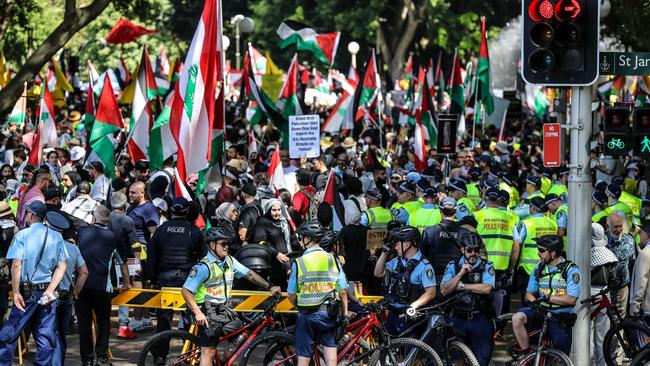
274 231
225 217
70 181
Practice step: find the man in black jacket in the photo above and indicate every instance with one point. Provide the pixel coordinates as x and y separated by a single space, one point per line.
175 247
440 242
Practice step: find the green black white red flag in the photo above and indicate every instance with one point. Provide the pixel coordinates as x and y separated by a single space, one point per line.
323 46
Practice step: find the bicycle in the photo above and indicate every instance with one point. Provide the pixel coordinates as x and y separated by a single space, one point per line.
616 143
630 335
439 331
352 348
187 342
544 354
642 358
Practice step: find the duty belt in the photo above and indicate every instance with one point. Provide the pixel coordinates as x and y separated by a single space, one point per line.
33 287
467 315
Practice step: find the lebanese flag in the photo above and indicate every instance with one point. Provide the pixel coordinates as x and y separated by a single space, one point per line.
46 134
333 198
19 113
323 46
275 171
419 147
125 31
196 107
141 116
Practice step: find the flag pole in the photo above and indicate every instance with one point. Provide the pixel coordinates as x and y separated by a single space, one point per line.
476 112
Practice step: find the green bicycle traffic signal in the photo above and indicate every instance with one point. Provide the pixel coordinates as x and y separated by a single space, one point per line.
616 145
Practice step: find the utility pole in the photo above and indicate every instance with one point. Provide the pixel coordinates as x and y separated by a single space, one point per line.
579 222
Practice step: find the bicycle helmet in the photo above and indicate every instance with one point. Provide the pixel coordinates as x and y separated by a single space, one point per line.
329 240
469 240
550 243
216 233
311 229
405 233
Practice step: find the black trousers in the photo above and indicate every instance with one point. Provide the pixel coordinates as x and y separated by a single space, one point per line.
90 301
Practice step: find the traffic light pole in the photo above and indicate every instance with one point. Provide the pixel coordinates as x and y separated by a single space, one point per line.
579 220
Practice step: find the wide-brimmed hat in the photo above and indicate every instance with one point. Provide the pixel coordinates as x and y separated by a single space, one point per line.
5 210
74 116
348 143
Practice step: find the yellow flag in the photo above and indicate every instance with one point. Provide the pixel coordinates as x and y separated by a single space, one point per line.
129 91
272 80
62 84
4 74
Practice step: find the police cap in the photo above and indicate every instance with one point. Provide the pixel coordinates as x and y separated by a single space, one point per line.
614 190
56 221
457 185
406 187
534 180
493 194
538 203
37 208
374 194
180 205
599 197
550 198
504 195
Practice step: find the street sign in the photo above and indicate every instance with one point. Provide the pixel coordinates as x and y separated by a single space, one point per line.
552 152
624 63
447 129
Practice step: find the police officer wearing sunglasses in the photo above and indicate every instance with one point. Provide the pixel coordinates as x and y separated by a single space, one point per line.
555 284
473 279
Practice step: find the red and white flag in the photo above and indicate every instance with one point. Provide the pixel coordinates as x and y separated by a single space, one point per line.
46 133
252 143
275 171
196 107
419 147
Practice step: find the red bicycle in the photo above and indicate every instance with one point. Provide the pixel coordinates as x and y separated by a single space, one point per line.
184 345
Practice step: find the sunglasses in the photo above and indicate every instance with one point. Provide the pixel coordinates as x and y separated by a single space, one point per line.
471 250
542 250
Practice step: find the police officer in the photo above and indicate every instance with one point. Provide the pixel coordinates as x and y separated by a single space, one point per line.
427 215
457 189
38 257
559 212
533 189
506 185
529 229
473 278
555 284
439 242
473 192
375 217
74 263
560 186
614 192
207 291
598 207
407 203
175 247
316 278
409 279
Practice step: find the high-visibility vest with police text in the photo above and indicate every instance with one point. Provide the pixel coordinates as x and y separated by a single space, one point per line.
495 228
316 278
535 227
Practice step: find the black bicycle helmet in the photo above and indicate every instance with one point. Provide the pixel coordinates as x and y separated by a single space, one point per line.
329 239
311 229
550 242
405 233
469 240
217 233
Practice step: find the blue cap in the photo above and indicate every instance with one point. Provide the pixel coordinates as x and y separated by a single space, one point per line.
406 187
493 194
37 208
413 177
448 202
56 221
180 205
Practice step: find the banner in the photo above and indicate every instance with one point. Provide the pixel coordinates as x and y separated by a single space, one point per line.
304 136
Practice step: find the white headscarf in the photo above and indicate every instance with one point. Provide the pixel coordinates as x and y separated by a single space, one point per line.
283 224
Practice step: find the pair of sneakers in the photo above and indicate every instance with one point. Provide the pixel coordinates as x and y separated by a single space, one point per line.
128 332
99 361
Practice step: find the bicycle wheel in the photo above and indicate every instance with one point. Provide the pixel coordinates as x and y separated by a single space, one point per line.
626 340
547 357
273 348
405 352
459 351
642 358
184 349
359 354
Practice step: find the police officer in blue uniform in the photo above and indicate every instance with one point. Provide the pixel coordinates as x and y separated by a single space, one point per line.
315 281
555 284
409 279
38 258
473 279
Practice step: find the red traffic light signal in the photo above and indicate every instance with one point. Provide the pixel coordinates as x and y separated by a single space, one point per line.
540 10
567 10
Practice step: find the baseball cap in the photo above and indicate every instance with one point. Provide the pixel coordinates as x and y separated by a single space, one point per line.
77 153
249 189
448 202
160 203
413 177
51 193
37 208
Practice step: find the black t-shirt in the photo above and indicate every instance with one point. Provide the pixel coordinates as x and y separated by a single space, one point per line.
97 243
440 245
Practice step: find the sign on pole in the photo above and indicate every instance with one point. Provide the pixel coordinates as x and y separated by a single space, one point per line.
624 63
304 136
552 152
447 128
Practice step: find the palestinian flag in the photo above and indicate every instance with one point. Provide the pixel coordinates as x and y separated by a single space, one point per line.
367 90
288 103
263 103
198 103
46 130
161 143
440 81
19 113
107 121
161 72
484 88
456 88
323 46
320 84
333 198
141 115
427 113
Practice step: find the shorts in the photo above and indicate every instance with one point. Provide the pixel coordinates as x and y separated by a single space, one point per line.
559 335
314 326
226 322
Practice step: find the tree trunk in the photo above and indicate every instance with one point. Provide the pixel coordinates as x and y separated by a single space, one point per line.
73 21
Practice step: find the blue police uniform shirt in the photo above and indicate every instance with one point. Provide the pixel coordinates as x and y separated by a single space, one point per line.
292 285
423 273
406 217
200 273
75 260
26 246
521 232
561 220
572 289
487 277
462 211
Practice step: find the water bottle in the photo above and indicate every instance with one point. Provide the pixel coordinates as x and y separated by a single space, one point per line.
344 340
46 299
237 342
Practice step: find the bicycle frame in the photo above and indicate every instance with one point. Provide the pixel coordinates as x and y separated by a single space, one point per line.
540 342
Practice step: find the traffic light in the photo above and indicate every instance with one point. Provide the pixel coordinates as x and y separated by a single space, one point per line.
560 41
617 131
642 131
